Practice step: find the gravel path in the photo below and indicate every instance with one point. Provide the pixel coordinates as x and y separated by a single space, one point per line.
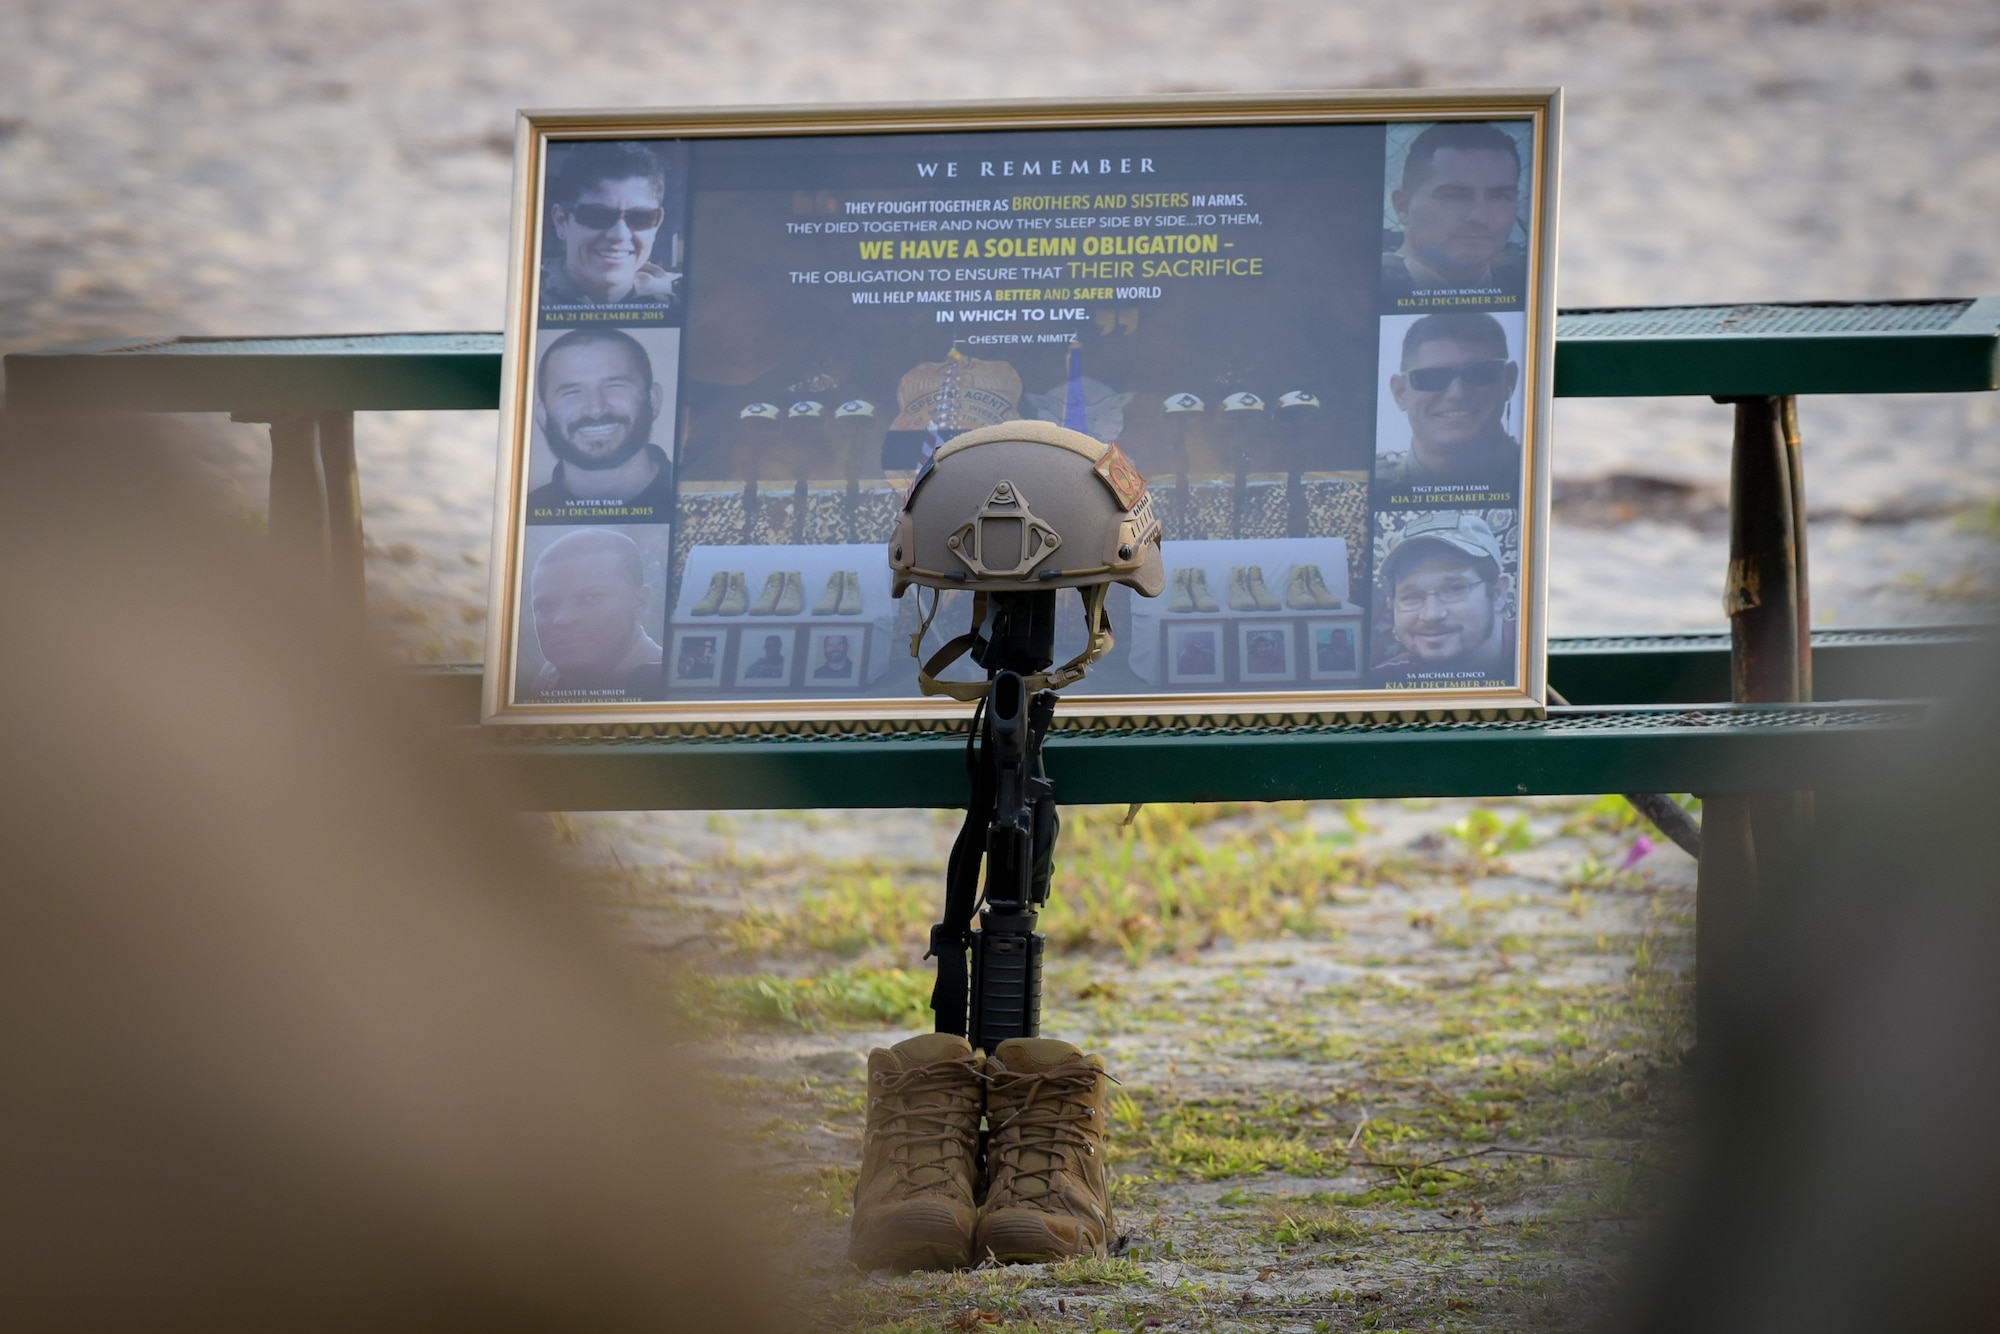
279 166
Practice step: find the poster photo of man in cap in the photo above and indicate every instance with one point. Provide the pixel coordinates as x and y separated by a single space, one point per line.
1446 613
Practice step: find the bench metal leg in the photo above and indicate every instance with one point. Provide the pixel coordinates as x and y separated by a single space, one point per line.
298 492
345 568
316 501
1770 656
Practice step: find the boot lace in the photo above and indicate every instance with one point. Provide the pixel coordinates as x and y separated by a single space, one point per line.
930 1107
1050 1120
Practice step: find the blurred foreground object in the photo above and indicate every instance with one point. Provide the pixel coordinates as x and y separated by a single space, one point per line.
298 1032
1846 1157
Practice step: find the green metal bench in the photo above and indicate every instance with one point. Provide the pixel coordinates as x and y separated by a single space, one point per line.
1731 717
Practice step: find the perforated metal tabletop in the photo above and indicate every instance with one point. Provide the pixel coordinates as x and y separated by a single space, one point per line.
1867 347
1778 348
1719 748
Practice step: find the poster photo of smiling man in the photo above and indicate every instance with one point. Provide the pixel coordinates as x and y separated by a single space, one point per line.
603 404
1447 612
1449 408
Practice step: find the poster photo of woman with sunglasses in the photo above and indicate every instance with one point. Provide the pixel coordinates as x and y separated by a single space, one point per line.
613 232
1448 409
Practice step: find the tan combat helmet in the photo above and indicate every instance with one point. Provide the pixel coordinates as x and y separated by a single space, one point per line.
1025 507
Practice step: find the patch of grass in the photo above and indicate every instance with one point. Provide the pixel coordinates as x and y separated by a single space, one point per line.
1596 875
1291 1042
1089 1271
1308 1223
844 998
1612 814
1486 837
845 919
1208 1141
1609 814
1449 1080
1159 886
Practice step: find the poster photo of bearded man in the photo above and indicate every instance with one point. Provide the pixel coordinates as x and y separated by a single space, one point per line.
603 408
1448 610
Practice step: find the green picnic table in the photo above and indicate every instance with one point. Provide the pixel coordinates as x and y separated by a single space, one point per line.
1753 720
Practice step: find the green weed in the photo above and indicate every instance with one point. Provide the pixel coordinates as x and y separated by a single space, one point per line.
1157 886
845 919
845 998
1090 1271
1291 1223
1486 837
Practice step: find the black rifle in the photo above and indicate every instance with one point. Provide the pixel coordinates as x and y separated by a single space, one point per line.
989 982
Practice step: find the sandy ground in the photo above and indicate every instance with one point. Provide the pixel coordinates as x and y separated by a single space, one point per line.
287 166
284 166
1437 1097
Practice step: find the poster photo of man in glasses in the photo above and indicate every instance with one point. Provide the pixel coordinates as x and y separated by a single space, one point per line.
613 232
1449 409
1446 612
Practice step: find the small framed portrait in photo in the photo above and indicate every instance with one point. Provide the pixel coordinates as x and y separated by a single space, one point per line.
1265 649
833 657
1195 653
696 658
765 660
1333 650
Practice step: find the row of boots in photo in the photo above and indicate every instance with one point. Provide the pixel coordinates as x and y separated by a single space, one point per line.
1305 590
783 595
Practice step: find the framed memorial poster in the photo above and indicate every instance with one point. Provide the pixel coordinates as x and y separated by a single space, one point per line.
1321 327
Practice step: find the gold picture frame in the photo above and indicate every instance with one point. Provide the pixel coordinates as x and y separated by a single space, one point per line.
674 267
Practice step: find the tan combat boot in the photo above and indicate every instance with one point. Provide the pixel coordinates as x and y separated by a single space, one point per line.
793 599
718 588
829 601
1266 600
1046 1197
1299 594
736 598
1240 596
767 601
915 1202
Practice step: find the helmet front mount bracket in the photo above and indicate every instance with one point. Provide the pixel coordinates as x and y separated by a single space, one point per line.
1004 530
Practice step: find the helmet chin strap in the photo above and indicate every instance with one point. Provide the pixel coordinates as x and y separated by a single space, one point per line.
1097 624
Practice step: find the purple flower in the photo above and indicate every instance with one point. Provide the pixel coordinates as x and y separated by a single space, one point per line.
1641 847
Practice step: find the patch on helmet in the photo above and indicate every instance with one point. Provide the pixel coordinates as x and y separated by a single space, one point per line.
1125 481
